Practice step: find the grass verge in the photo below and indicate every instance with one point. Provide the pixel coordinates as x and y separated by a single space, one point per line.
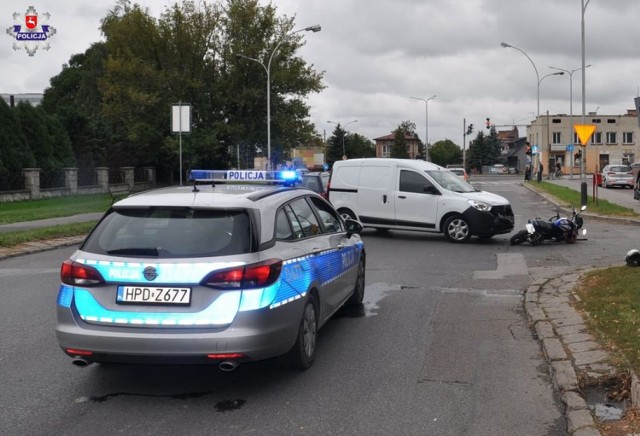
610 299
31 210
12 239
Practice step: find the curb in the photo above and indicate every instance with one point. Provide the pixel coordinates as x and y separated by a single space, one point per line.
560 329
38 246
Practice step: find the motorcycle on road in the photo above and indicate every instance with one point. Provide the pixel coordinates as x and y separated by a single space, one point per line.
556 229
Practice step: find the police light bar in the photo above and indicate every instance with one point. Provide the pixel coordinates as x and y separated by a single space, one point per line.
287 177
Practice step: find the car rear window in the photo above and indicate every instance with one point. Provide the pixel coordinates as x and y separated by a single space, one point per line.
620 169
171 232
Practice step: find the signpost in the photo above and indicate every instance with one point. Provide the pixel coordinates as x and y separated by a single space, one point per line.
181 123
584 132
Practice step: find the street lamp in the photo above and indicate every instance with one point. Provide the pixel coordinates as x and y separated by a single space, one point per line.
538 79
570 73
583 9
267 69
426 124
344 154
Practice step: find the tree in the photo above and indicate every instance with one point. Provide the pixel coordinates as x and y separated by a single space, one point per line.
445 152
399 148
483 150
358 146
335 143
74 99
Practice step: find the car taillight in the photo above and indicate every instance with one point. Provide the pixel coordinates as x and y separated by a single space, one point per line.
74 273
257 275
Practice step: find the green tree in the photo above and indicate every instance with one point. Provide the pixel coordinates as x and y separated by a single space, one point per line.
15 152
335 145
74 99
483 150
405 130
445 152
358 146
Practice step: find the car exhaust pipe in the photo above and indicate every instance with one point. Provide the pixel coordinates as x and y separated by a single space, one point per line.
81 361
228 365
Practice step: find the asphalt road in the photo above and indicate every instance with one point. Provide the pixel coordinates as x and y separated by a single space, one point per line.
442 346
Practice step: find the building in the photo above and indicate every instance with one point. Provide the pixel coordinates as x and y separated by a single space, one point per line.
12 99
553 137
384 145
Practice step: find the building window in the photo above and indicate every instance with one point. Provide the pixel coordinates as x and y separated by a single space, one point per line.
627 137
386 150
596 138
576 140
612 138
557 138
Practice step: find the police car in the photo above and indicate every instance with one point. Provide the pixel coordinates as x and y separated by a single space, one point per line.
222 271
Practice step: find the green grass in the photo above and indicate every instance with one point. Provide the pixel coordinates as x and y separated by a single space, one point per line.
30 210
611 300
12 239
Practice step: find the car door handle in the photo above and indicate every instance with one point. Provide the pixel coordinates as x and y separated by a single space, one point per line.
384 199
402 196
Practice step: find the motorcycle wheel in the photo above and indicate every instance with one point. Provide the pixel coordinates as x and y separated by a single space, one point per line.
519 237
536 239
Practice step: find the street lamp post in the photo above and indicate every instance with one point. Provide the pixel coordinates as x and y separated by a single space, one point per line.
344 154
426 125
267 69
538 81
571 134
583 9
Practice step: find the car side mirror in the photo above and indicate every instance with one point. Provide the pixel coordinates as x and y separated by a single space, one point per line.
353 226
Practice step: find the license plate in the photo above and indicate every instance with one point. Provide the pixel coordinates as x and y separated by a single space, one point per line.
153 295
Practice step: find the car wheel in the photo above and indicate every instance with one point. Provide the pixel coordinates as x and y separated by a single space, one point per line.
303 352
519 237
347 214
358 290
456 229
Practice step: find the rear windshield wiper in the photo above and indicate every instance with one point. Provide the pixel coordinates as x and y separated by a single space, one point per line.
135 251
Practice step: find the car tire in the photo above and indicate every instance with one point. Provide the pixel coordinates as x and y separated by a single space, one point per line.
358 290
456 229
519 237
347 214
303 352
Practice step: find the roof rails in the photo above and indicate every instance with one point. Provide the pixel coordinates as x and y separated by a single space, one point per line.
285 177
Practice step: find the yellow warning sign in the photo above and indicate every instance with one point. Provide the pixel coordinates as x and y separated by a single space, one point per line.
584 132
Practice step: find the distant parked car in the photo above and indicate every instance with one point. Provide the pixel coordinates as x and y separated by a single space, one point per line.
498 169
317 182
617 175
460 172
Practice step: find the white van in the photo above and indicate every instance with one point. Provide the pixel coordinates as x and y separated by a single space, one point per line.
405 194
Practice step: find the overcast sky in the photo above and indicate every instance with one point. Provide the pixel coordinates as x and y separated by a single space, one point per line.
376 54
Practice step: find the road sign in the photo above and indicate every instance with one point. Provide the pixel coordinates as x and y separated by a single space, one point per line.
584 132
569 147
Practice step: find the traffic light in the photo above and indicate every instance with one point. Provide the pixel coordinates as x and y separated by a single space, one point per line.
488 123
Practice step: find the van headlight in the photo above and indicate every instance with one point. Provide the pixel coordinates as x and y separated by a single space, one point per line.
484 207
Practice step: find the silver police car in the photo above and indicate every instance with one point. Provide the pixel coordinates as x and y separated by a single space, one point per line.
221 272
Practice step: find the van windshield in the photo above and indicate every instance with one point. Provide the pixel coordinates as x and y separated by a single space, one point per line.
450 181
